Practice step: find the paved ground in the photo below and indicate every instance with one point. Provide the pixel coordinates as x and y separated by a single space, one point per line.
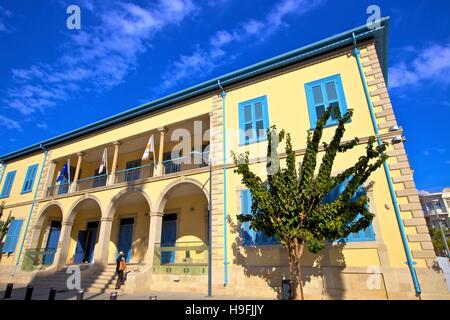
42 294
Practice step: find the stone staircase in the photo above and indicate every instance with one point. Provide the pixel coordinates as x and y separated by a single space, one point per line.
103 281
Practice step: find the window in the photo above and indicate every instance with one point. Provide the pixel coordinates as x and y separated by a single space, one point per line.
7 186
29 178
323 93
253 120
12 237
250 236
363 235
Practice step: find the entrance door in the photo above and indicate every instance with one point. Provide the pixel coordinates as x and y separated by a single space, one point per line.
84 251
126 237
168 237
52 242
135 174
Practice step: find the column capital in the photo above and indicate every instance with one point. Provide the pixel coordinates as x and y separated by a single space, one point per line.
106 219
117 143
67 223
156 214
163 129
80 154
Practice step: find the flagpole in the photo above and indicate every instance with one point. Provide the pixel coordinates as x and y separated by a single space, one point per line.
68 169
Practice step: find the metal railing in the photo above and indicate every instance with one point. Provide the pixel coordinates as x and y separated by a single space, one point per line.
92 182
58 189
38 259
134 174
193 161
181 258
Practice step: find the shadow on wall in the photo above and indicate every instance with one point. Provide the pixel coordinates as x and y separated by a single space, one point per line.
321 273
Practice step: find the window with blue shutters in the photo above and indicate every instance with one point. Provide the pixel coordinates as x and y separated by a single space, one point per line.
253 120
250 236
29 178
363 235
323 93
10 244
7 186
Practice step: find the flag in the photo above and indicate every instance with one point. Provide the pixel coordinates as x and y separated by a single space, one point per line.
149 148
63 173
104 163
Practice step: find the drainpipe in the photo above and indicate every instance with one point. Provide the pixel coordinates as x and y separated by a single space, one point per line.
225 242
409 259
31 208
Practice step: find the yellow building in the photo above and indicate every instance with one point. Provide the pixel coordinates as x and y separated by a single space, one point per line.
69 212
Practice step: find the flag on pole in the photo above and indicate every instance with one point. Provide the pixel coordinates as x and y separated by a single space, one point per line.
149 148
104 162
63 173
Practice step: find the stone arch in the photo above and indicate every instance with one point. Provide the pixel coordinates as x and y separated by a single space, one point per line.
72 212
41 215
116 199
162 199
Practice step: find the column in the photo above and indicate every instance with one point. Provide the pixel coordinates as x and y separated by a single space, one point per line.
77 171
63 245
36 233
112 175
102 247
154 235
162 133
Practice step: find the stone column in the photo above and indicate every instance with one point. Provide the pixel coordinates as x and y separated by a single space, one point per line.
102 246
62 250
154 235
112 175
77 171
162 133
36 233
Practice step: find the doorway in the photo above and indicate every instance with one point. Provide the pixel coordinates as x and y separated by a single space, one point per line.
84 251
168 237
52 242
125 239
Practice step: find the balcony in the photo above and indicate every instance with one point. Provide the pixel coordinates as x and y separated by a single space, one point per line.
194 160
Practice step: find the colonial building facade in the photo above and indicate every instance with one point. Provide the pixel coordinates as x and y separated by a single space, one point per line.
162 212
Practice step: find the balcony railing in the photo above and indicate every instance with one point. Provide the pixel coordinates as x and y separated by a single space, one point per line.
92 182
37 259
134 174
181 258
193 161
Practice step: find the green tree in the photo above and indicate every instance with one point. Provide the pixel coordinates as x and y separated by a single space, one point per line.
438 241
4 225
291 205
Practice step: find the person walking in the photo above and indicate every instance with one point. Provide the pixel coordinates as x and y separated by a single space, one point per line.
121 267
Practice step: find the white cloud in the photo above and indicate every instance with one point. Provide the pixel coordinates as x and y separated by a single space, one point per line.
204 60
430 64
95 58
5 14
42 126
9 123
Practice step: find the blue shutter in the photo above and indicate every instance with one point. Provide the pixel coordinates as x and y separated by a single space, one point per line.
248 235
13 236
363 235
7 186
324 98
29 178
258 119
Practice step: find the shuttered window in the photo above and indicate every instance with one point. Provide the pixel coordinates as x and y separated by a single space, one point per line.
7 186
29 178
10 244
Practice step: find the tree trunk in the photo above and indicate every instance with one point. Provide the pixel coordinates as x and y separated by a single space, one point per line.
291 268
298 250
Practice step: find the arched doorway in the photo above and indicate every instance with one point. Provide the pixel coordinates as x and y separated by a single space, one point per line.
130 226
45 239
184 229
86 216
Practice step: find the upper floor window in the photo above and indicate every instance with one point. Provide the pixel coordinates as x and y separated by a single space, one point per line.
253 120
250 236
7 186
323 93
362 235
29 178
13 236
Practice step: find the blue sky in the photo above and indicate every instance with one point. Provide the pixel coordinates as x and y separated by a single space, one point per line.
53 79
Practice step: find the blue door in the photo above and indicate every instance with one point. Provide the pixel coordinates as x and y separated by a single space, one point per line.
52 242
126 237
168 237
91 238
80 248
133 174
